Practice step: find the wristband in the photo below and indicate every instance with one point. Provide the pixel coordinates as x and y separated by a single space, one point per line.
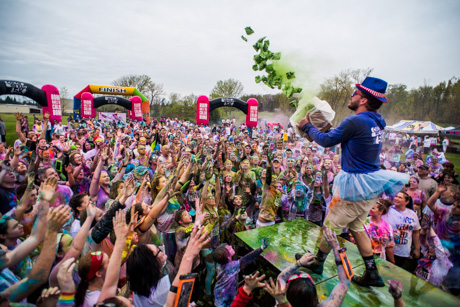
66 299
338 262
173 289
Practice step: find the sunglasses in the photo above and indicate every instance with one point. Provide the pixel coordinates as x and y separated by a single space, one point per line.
300 276
356 93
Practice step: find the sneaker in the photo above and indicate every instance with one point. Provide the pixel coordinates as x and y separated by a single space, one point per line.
316 267
369 279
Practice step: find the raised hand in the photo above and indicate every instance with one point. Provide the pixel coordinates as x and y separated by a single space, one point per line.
91 209
278 291
33 156
69 169
119 226
104 154
57 217
9 151
395 289
125 159
19 116
17 151
133 220
441 188
129 187
49 297
208 175
48 188
253 281
46 116
30 179
64 276
197 240
307 259
66 147
330 237
264 244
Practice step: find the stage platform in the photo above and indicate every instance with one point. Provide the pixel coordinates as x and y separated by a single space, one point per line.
299 236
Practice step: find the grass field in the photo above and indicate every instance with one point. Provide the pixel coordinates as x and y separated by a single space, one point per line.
10 122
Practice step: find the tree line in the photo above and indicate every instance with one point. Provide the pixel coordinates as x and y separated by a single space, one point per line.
439 103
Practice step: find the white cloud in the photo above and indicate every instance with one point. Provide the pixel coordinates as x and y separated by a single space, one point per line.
189 45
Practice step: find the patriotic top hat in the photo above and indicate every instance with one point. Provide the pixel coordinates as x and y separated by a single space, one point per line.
374 87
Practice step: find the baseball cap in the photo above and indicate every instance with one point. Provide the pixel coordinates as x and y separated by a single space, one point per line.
425 167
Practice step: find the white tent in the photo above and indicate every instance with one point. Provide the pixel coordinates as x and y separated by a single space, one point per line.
415 126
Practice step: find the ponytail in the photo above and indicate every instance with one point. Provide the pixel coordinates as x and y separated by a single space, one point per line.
84 266
81 292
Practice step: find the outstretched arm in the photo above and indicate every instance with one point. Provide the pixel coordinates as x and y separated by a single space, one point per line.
154 213
198 239
249 258
39 229
94 187
432 201
338 293
39 273
22 206
77 244
339 135
46 117
21 136
109 288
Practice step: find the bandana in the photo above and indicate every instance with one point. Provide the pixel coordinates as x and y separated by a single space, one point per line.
96 263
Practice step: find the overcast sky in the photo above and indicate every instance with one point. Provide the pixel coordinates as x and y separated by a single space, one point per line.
189 45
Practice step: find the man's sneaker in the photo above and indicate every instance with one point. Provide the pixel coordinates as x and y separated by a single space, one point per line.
316 267
369 279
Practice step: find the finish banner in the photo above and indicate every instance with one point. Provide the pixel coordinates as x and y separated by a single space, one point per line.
116 90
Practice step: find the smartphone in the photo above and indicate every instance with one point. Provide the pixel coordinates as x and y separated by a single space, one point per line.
185 289
58 166
346 262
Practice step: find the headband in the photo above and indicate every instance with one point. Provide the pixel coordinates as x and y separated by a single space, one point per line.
96 263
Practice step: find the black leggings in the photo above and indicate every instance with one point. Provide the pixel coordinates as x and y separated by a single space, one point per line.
406 263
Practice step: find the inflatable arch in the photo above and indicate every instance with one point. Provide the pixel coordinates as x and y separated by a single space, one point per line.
204 107
47 97
85 105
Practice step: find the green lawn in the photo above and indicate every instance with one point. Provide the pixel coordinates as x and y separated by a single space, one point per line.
10 122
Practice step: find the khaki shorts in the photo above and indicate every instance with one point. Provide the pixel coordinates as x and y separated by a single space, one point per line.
348 214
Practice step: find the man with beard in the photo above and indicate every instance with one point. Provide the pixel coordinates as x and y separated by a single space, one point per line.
361 182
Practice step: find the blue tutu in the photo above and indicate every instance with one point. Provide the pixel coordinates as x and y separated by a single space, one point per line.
357 187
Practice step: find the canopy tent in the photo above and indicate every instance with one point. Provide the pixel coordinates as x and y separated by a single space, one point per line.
415 126
455 131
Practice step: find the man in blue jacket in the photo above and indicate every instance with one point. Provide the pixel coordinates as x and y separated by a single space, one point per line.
361 181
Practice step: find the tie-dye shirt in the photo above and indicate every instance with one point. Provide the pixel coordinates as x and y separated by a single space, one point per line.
381 236
63 196
227 278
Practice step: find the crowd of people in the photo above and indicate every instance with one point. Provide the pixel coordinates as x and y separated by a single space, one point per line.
115 213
